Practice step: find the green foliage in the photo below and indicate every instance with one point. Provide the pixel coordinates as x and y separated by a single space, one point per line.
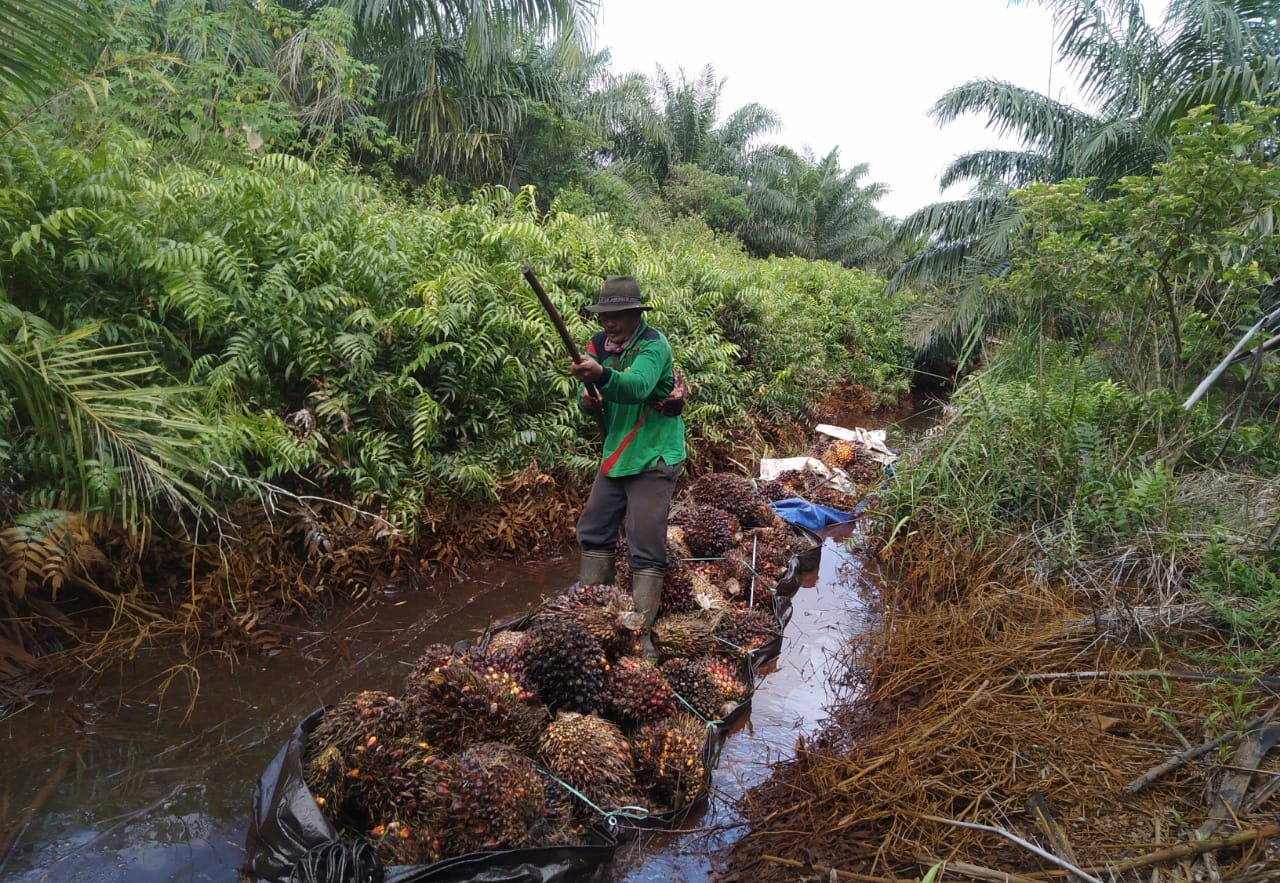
37 42
387 351
1245 593
1140 81
1075 433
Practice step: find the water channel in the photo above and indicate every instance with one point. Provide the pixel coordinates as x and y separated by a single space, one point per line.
141 789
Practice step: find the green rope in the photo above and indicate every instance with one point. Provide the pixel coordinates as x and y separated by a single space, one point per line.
743 650
706 720
636 813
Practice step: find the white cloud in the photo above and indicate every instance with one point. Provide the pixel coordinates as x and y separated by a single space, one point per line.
861 75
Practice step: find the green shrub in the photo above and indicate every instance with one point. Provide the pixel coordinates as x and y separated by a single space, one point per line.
387 350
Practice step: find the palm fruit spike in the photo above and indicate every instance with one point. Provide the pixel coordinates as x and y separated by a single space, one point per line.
685 634
677 587
501 669
498 800
566 665
727 676
432 658
607 612
669 759
746 630
693 684
454 707
591 755
840 454
409 782
708 531
636 693
340 742
405 843
734 494
773 490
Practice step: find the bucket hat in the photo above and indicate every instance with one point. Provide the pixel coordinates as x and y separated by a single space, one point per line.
619 293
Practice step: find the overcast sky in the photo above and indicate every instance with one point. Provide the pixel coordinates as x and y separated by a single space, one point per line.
860 74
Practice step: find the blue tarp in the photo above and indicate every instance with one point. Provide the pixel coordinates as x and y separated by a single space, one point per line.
809 515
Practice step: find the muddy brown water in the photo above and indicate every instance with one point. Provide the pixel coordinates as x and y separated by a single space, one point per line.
142 789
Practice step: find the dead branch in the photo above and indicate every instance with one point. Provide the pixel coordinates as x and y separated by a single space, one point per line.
1014 838
1181 851
1184 757
840 875
1264 681
1039 809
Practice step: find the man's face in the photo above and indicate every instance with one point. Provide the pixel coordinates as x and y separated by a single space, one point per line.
620 326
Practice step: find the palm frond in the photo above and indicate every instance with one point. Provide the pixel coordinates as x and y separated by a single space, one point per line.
38 42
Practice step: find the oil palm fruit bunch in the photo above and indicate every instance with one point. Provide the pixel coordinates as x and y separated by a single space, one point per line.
405 843
826 495
342 739
412 784
636 693
773 490
676 546
605 611
500 668
864 472
747 630
708 531
732 493
795 480
685 634
454 707
558 826
669 759
677 587
622 565
840 454
432 658
727 676
497 800
693 684
566 665
592 756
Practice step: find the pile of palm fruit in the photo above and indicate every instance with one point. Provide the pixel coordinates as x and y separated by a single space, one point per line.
526 739
858 474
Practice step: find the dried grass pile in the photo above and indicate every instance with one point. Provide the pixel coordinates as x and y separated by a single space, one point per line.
990 698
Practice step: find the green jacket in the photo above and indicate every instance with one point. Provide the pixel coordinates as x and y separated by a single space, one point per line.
637 435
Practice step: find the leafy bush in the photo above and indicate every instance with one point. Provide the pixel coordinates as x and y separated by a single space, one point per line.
1073 443
386 350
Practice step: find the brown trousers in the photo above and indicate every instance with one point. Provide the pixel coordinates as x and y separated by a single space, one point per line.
642 501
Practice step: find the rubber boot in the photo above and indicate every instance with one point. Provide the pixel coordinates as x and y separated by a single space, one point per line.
595 567
646 589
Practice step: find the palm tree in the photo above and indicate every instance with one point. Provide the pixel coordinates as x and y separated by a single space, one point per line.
37 42
814 208
678 124
1140 79
114 443
456 76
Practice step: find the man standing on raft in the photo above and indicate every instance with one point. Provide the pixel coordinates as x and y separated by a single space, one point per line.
629 377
